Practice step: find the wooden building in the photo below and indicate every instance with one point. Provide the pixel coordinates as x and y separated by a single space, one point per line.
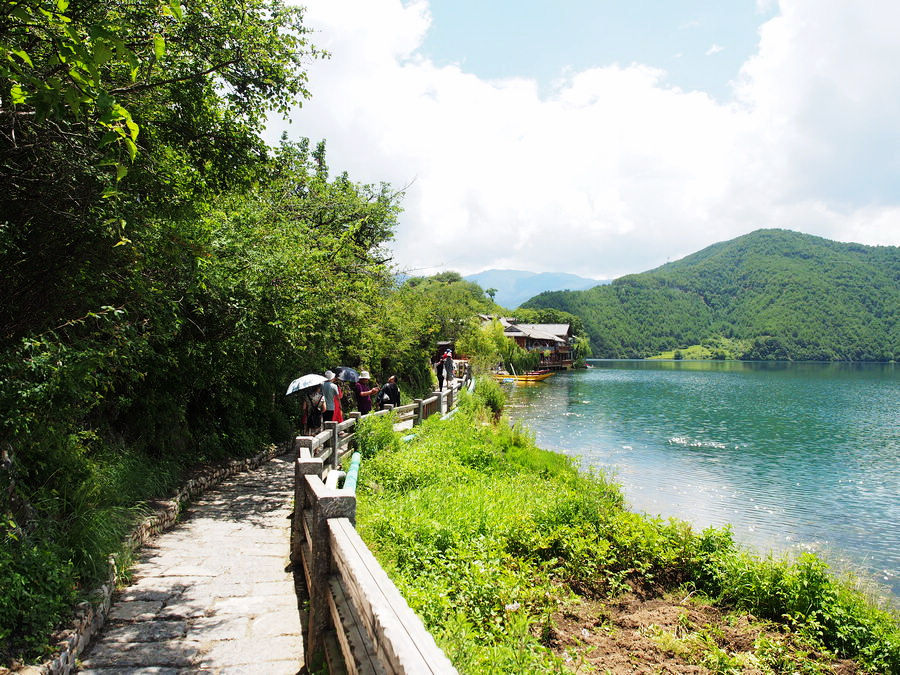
553 340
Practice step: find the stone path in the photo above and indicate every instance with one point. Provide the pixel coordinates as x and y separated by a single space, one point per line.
212 595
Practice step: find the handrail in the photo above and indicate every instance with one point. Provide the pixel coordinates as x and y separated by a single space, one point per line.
352 472
405 645
440 402
358 620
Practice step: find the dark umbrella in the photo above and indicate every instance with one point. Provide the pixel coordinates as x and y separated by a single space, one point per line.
347 374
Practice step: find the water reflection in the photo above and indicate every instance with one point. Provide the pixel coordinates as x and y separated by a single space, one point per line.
793 455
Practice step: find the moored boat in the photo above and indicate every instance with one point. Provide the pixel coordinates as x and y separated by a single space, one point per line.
531 376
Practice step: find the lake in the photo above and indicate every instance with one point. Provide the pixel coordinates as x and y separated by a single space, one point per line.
796 456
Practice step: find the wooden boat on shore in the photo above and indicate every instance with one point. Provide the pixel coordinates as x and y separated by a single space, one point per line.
531 376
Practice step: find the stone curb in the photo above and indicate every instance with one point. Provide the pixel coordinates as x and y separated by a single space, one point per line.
90 616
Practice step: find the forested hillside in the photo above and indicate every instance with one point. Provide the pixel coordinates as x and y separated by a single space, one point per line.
771 294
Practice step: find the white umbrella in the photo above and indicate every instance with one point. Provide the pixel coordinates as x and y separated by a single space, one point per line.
310 380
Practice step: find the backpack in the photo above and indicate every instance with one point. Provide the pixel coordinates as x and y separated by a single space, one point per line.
314 418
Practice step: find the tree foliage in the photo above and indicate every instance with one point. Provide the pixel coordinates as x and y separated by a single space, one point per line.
165 273
487 346
782 294
453 302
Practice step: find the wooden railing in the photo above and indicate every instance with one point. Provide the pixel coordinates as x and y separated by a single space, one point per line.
358 621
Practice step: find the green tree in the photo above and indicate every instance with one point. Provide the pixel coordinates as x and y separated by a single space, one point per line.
165 273
487 346
77 85
453 302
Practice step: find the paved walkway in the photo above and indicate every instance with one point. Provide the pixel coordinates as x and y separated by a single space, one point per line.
212 595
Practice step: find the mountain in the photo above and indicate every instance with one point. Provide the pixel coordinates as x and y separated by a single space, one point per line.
770 294
516 286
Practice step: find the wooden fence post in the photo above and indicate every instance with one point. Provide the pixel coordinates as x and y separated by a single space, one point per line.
356 416
333 442
420 410
326 504
306 465
440 401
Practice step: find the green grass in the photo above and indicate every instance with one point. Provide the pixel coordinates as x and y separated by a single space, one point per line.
487 536
718 348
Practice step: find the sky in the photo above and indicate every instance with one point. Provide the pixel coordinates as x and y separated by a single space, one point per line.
607 137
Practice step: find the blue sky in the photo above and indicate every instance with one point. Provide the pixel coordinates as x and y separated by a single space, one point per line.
700 44
605 138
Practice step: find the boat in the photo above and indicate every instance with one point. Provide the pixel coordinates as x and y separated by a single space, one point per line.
530 376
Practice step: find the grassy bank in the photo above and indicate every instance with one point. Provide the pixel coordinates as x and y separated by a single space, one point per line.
712 349
497 544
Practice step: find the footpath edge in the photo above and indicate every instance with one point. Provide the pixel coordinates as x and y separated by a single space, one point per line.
90 615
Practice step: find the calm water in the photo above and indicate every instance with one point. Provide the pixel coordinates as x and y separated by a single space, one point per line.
794 456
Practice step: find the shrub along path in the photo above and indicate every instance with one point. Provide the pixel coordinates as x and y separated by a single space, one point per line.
212 593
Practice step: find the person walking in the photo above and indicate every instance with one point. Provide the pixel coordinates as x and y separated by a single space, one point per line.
439 371
330 393
310 411
364 393
338 408
448 368
390 393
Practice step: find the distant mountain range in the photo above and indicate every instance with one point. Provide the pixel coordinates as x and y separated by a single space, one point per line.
770 294
516 286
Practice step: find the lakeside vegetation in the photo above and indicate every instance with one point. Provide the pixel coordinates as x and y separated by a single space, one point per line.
498 544
712 349
768 295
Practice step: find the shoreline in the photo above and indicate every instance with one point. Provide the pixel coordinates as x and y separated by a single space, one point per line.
694 477
542 562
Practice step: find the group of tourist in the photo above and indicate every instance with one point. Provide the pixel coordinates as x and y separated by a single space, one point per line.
443 368
336 396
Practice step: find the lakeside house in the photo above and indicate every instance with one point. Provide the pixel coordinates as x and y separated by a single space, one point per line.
555 341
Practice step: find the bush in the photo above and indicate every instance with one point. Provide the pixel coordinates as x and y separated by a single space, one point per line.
37 586
805 596
489 394
375 433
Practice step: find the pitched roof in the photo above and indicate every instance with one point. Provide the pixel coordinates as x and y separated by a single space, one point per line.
536 331
558 329
554 332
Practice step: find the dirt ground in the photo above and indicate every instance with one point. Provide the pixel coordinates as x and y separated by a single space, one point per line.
674 634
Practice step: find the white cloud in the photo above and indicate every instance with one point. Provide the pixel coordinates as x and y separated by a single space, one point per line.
714 49
613 171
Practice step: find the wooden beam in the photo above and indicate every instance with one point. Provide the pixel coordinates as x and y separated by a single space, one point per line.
326 504
400 638
358 650
319 440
